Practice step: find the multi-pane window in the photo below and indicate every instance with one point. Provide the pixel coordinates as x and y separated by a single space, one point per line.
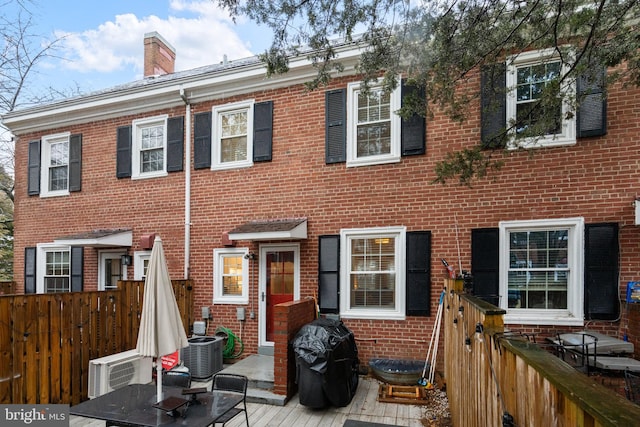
373 126
152 148
55 161
538 269
373 283
541 270
57 271
532 81
537 101
231 276
373 135
149 147
233 135
373 272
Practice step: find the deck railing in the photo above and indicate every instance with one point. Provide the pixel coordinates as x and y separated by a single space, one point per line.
47 340
498 378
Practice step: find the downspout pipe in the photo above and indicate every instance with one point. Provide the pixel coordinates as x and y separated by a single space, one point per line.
187 185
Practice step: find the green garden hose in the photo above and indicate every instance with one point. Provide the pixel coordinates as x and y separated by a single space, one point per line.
230 346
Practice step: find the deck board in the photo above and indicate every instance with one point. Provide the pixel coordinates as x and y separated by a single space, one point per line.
363 407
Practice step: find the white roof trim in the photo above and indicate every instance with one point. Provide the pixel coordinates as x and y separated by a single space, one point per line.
124 238
299 232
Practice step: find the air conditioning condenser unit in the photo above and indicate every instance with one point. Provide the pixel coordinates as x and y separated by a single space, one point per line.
118 370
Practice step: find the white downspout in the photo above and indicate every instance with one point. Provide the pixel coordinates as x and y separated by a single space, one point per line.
187 186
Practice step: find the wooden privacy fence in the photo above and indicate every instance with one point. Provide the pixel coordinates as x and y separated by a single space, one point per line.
505 373
47 340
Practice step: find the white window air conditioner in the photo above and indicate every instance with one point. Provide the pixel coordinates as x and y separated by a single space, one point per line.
118 370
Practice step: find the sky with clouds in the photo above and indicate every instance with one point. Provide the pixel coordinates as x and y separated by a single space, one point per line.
101 43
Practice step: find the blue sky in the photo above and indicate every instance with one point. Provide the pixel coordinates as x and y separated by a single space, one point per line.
102 41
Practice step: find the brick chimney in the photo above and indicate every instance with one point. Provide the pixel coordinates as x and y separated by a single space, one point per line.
159 55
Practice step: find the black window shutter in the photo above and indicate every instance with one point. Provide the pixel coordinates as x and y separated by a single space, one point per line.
175 143
329 274
30 270
33 184
601 260
413 128
75 162
123 150
493 103
262 131
592 104
418 273
335 126
484 264
77 267
202 140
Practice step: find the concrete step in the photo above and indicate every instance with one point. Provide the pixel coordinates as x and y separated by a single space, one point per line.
259 395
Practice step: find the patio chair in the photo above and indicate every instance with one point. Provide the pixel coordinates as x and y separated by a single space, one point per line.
235 384
176 379
632 387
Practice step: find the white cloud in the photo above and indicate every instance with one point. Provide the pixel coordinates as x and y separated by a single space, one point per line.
200 32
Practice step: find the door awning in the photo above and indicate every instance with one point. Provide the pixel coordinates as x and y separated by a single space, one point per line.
98 238
277 229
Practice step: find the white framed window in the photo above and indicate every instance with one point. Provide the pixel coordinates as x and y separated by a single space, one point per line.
373 127
230 276
232 136
149 147
372 285
528 74
541 271
53 269
54 176
140 264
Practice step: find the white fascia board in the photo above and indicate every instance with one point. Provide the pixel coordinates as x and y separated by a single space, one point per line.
156 96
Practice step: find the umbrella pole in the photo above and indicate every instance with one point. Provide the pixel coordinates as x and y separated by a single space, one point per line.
159 379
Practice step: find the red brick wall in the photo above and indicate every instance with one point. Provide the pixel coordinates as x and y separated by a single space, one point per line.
288 319
596 179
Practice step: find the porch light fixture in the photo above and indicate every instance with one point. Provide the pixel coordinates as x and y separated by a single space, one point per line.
461 311
455 322
125 259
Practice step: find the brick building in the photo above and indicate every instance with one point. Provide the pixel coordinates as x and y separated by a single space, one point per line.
264 192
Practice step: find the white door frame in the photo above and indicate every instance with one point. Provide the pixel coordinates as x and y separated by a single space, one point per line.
102 257
262 284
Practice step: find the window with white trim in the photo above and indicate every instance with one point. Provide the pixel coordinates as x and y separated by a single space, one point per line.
232 136
141 264
53 269
149 147
528 75
373 127
55 165
373 279
231 276
541 271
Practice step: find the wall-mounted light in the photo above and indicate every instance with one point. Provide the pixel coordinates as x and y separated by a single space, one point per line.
250 255
467 344
461 311
455 322
125 259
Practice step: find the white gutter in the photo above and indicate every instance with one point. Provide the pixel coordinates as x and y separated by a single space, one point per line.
154 94
187 186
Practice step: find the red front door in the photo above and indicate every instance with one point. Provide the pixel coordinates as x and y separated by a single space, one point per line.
280 282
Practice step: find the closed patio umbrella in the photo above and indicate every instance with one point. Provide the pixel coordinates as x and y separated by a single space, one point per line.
161 331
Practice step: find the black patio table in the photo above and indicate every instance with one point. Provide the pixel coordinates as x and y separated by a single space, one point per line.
135 405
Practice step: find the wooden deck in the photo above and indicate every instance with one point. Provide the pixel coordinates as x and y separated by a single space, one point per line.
363 407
